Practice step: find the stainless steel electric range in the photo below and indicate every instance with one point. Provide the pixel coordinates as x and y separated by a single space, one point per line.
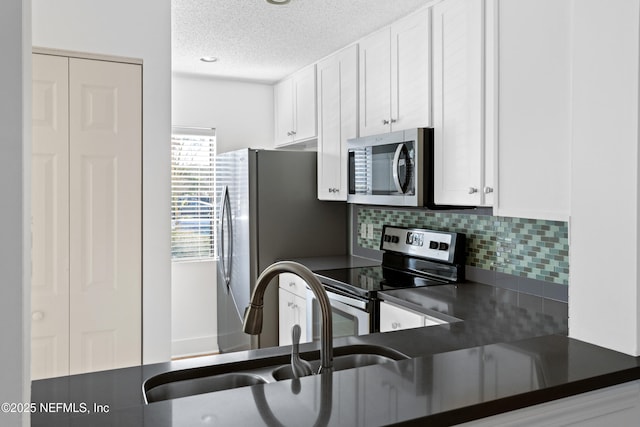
411 258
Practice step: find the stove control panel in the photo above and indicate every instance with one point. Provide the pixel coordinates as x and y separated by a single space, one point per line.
423 243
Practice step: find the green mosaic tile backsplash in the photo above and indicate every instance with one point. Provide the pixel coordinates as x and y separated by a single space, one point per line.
536 249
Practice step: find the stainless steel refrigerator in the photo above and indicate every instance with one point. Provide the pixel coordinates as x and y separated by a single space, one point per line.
267 211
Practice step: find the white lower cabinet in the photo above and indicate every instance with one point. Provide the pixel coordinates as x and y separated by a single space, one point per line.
395 318
292 307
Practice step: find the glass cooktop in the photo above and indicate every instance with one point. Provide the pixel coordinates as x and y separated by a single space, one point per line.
366 281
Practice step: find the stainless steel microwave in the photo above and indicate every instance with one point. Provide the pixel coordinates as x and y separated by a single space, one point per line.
391 169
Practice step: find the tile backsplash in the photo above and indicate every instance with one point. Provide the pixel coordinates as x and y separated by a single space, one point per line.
535 249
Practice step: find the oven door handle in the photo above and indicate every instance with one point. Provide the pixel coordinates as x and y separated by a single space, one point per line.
348 300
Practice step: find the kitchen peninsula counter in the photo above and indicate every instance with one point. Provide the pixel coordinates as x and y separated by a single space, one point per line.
510 351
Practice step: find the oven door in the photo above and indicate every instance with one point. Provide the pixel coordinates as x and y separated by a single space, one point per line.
350 316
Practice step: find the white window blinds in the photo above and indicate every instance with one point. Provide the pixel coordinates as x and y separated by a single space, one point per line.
192 186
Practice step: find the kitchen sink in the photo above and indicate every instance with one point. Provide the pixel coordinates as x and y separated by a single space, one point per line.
340 363
182 388
207 379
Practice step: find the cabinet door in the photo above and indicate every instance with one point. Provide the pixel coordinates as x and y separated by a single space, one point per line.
535 78
458 101
105 152
283 105
394 318
375 83
292 311
337 121
50 218
305 117
411 71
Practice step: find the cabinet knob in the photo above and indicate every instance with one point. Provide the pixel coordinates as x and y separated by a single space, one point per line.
488 190
37 316
395 325
472 190
385 122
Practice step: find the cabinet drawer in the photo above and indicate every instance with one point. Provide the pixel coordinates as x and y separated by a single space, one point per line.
294 284
394 318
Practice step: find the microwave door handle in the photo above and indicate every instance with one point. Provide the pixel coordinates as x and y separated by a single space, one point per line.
396 168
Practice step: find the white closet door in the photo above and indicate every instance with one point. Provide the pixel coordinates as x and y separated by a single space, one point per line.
105 214
50 218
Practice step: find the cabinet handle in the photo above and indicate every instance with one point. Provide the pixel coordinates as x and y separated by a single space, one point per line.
488 190
293 132
385 122
288 133
292 284
395 325
334 190
37 316
472 190
393 120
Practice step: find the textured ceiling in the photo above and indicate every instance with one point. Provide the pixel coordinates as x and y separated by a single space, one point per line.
258 41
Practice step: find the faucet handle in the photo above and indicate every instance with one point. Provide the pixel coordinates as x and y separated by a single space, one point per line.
299 367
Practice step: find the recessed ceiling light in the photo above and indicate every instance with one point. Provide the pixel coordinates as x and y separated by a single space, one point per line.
209 59
278 1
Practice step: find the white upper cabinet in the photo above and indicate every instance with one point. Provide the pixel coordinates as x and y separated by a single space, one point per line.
337 120
534 108
295 108
395 76
458 99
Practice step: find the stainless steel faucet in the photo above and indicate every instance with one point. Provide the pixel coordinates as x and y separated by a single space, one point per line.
253 313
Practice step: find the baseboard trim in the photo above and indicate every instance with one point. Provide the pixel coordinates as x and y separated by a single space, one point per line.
190 347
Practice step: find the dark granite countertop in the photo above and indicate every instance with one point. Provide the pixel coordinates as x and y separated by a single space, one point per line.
509 351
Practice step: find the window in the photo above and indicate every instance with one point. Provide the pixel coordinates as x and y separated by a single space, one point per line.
192 186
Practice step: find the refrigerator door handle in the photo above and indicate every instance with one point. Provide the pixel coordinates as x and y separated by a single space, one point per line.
226 257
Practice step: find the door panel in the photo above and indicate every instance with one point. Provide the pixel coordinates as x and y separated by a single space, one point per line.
105 215
375 83
50 218
411 71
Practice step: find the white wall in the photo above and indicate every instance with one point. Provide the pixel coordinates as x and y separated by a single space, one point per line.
241 112
138 29
194 324
15 172
604 238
